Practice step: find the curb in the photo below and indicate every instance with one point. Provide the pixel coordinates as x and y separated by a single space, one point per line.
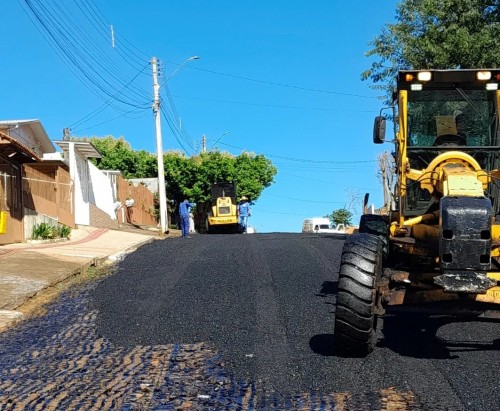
10 315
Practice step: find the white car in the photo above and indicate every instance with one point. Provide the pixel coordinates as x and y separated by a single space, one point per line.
321 225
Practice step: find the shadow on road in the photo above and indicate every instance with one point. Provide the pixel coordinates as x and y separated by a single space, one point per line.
410 335
416 336
323 344
328 288
413 336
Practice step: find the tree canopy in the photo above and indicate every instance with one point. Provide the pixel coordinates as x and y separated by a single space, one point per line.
436 34
117 154
340 216
189 177
192 177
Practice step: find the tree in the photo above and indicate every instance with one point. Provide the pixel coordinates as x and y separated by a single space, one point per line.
117 154
340 216
436 34
192 177
188 177
387 176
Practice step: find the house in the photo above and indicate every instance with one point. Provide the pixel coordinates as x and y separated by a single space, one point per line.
39 184
35 183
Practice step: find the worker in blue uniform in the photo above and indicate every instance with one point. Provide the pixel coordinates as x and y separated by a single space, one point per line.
184 209
244 211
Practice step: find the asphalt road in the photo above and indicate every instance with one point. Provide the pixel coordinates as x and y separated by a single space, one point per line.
265 304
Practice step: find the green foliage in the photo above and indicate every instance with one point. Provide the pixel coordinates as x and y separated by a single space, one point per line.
436 34
188 177
117 154
44 231
340 216
64 231
193 177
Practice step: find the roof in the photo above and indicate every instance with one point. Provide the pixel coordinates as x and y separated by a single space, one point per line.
84 148
37 129
12 148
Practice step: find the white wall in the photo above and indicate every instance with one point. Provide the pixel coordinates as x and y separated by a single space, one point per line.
91 186
101 191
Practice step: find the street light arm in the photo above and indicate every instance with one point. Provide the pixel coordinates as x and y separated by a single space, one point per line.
219 139
180 66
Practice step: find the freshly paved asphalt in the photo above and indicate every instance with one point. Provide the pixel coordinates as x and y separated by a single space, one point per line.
265 302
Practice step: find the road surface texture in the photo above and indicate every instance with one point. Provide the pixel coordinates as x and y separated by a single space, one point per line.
237 322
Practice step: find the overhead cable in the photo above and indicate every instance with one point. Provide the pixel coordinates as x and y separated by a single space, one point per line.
273 83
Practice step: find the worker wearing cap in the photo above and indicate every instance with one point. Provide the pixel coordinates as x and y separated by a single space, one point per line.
244 212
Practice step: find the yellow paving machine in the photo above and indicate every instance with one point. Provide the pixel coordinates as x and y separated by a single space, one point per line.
437 248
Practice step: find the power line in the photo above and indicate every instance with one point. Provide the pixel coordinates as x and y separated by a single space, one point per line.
276 105
100 15
110 120
273 83
339 162
182 129
82 53
330 182
174 130
278 212
107 103
307 201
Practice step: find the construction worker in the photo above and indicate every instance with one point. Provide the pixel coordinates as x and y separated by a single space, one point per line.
244 211
184 209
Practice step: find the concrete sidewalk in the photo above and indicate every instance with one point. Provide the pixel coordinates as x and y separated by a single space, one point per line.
28 268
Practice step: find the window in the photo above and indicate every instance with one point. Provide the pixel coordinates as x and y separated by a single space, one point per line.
470 114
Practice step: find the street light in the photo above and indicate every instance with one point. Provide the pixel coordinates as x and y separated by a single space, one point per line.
162 196
179 67
219 139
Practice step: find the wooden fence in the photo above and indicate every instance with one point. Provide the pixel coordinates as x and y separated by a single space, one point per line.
143 211
48 190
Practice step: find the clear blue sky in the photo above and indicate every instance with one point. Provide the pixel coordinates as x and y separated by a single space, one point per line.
282 77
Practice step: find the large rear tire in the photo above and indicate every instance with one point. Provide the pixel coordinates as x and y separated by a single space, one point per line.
355 318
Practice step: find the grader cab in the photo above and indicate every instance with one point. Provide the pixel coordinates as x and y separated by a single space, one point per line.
437 249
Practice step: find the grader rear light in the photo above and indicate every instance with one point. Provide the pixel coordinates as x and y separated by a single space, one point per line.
424 76
491 86
484 75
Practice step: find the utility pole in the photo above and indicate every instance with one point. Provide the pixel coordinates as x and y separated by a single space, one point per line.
203 143
159 150
66 132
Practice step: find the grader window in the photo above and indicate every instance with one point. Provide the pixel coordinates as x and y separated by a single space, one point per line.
466 114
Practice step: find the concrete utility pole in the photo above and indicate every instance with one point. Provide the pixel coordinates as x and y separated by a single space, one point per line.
203 143
162 196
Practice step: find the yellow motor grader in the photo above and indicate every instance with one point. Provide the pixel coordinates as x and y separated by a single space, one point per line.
437 249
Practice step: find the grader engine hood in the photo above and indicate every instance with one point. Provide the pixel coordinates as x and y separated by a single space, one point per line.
453 173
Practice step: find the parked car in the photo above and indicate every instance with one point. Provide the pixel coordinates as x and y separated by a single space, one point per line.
321 225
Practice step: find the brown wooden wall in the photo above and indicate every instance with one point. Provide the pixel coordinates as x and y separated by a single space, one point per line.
142 212
48 190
